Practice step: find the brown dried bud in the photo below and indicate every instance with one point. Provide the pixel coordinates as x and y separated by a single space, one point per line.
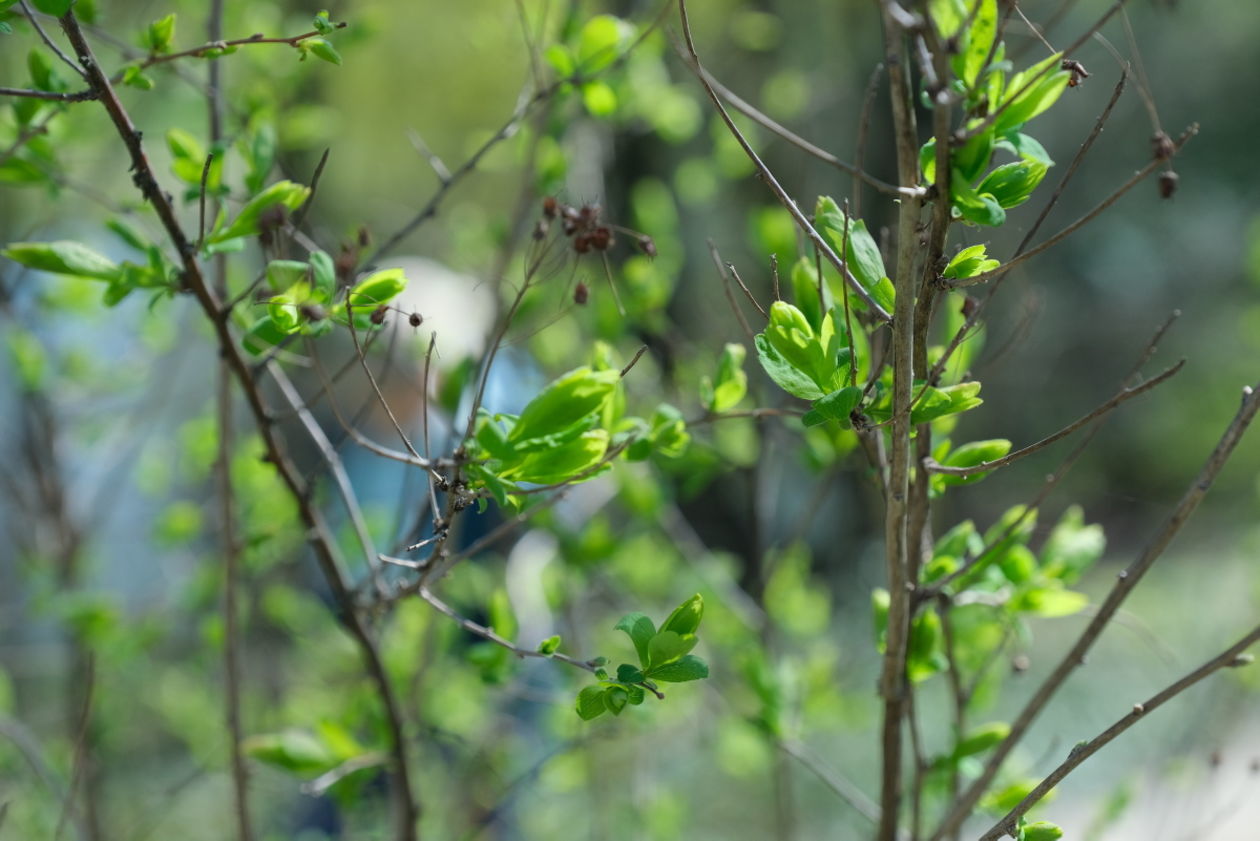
345 265
313 312
378 315
601 239
570 226
540 229
363 238
582 243
647 246
550 207
415 319
969 306
270 221
1162 146
581 293
1167 184
1078 71
589 214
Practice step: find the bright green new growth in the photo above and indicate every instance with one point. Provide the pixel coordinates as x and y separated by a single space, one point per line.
663 658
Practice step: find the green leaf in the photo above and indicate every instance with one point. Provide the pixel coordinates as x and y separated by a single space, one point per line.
590 703
862 254
640 630
284 194
974 206
980 37
941 402
969 262
880 602
837 406
295 751
1018 564
263 334
53 7
564 403
805 284
971 455
981 738
282 274
1012 184
1041 831
627 673
64 257
685 618
682 670
615 698
1026 147
43 75
160 34
134 77
1003 800
321 48
600 41
1040 94
668 646
732 383
549 646
924 656
785 375
1072 546
1050 602
599 98
322 24
569 462
376 289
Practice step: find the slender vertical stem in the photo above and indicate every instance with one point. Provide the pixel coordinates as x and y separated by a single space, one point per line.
323 542
897 488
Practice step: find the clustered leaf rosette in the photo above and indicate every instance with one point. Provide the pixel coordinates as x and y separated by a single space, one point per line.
664 657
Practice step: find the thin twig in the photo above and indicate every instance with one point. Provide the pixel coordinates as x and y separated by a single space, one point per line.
1123 396
730 295
78 767
1135 179
52 45
1230 657
405 803
761 119
51 96
844 788
768 177
1126 581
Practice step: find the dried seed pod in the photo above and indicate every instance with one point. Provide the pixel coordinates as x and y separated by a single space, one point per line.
415 319
1162 146
345 265
363 238
540 229
550 207
589 214
601 238
1078 71
270 222
582 243
581 293
313 312
647 245
1167 184
378 315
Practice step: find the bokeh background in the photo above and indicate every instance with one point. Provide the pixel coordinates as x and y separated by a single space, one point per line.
108 519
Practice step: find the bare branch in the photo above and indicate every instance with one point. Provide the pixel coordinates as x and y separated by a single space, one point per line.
1230 657
1124 585
1123 396
768 177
